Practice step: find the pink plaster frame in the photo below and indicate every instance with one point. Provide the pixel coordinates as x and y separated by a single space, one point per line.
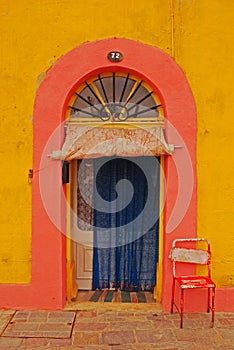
47 289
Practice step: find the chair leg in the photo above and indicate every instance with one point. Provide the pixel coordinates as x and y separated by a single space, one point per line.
208 301
172 295
181 308
213 307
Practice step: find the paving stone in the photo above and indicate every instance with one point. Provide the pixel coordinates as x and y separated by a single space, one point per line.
197 315
129 347
152 336
193 323
154 317
100 347
86 338
226 314
18 327
60 342
95 320
61 317
114 330
33 342
87 326
86 314
23 314
120 347
131 325
38 324
7 312
197 347
225 321
10 342
40 348
122 317
56 334
228 334
53 327
186 334
114 319
38 316
118 337
60 314
72 347
4 320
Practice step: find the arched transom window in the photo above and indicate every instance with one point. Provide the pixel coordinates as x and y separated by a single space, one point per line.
115 97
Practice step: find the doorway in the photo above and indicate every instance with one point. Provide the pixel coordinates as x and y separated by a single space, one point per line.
49 216
117 205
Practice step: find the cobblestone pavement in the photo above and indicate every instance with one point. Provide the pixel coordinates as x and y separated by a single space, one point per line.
114 330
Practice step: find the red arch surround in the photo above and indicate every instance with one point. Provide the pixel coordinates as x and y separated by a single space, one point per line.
48 284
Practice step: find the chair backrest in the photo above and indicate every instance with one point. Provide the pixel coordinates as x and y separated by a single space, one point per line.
182 254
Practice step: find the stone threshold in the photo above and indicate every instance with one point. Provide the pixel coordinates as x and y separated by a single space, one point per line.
102 306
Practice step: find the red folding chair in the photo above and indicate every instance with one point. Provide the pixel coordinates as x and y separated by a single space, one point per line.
185 251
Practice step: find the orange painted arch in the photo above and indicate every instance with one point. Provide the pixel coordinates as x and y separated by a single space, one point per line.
47 289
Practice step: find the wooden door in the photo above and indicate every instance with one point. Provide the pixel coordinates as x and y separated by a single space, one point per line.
84 270
82 222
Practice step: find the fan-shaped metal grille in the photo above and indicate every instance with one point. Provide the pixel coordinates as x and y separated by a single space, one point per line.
115 97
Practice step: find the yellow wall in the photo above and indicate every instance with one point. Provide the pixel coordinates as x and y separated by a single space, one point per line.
34 34
203 49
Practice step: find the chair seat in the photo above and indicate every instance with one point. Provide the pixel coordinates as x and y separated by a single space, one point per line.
195 282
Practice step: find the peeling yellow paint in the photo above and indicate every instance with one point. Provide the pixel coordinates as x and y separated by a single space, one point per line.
40 77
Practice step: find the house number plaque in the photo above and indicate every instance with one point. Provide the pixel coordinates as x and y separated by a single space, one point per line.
115 56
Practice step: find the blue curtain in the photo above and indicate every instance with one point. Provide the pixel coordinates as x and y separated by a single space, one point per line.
126 210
